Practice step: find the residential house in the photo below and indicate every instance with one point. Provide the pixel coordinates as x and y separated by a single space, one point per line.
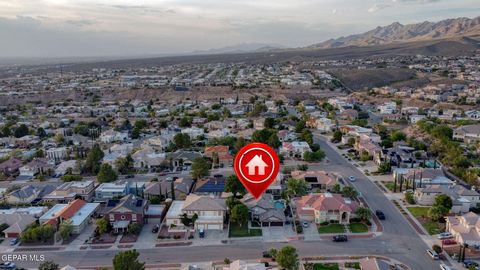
70 191
220 155
181 187
34 167
210 211
123 212
182 158
107 191
326 207
467 134
265 210
286 136
147 158
16 222
11 166
321 180
214 186
78 212
65 166
465 228
25 195
110 136
57 153
294 149
463 199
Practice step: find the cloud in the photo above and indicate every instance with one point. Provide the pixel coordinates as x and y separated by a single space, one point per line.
378 6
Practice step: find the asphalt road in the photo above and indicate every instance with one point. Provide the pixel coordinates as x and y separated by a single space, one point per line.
399 240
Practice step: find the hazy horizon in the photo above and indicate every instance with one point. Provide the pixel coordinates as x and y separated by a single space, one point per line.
125 28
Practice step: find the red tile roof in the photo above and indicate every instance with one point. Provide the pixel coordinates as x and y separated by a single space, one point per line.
68 212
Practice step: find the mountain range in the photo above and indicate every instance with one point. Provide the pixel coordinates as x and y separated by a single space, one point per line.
398 33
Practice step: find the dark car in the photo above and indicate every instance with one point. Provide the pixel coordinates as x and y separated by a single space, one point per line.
340 238
130 176
469 263
380 215
155 229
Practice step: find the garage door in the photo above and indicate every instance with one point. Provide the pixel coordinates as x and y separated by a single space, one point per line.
276 223
213 227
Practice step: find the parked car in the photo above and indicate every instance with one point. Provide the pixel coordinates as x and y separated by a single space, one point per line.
408 191
155 228
448 242
469 263
130 176
340 238
201 233
445 235
14 241
305 224
266 254
445 267
8 265
433 254
352 178
380 214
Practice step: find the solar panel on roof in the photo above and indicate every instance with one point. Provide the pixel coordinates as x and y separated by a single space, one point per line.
139 203
112 203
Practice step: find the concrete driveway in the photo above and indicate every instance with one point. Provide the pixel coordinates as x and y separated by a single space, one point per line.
277 234
147 239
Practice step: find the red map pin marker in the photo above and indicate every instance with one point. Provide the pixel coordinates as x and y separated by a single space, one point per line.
256 165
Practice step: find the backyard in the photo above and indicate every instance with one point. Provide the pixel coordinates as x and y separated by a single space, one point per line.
332 228
242 231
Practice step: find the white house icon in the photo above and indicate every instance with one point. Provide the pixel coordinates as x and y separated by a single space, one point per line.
255 162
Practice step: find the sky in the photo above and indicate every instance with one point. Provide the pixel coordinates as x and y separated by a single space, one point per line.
92 28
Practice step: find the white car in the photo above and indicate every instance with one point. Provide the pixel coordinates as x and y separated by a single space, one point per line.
445 267
305 224
352 178
445 235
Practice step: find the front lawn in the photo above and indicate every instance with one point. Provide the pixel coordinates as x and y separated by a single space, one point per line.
354 265
325 266
237 231
358 228
332 228
418 211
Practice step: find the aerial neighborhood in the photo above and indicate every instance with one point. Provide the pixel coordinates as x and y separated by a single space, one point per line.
142 158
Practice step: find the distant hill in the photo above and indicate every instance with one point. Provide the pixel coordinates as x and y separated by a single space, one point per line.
242 48
399 33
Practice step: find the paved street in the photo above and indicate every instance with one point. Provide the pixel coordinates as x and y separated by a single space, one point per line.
398 240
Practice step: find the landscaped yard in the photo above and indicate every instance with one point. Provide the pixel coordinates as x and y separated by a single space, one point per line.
421 214
325 266
418 211
237 231
332 228
358 228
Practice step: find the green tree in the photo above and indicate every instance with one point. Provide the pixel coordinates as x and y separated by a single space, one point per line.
269 122
239 214
316 156
234 186
398 136
135 133
337 189
443 200
337 136
435 213
182 141
102 225
287 258
127 260
200 168
41 132
296 187
363 213
134 228
385 167
124 165
94 157
349 192
106 174
21 131
66 229
48 265
273 141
